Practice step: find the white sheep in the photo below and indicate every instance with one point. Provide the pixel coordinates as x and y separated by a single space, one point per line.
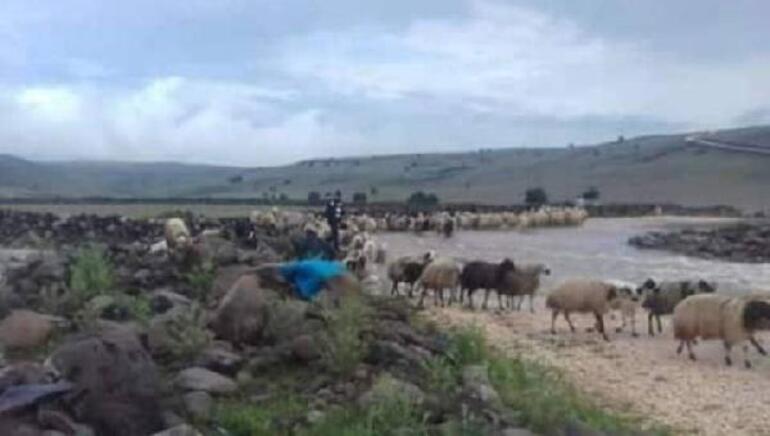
439 275
177 234
628 303
582 296
731 319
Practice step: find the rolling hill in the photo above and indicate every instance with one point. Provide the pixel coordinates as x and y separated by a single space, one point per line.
665 168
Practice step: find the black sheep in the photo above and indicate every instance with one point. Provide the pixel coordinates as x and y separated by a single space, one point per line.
484 275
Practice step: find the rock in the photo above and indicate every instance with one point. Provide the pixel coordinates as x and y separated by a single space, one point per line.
315 416
242 315
476 383
24 373
52 419
517 432
162 300
25 329
388 388
199 405
304 348
117 379
180 430
201 379
218 359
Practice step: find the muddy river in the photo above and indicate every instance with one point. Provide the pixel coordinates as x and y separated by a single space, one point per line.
598 250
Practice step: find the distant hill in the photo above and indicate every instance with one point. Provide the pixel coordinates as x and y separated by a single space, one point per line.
663 168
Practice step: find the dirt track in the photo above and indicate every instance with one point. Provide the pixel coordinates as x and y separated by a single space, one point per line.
643 376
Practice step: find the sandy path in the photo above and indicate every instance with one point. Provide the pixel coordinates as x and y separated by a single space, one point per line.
643 376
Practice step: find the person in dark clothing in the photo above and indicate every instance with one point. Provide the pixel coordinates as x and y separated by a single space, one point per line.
313 247
334 213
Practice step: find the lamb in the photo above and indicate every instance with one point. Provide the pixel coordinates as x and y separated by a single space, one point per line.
524 281
734 320
441 274
484 275
407 270
177 234
660 299
586 296
627 303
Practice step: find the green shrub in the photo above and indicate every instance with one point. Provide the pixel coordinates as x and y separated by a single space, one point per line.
91 274
342 346
201 280
187 332
240 419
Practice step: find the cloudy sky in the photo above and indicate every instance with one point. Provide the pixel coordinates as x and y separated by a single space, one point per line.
253 82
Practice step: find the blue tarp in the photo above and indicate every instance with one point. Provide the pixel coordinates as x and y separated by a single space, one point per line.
309 276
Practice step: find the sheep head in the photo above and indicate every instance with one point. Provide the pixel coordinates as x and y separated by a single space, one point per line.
756 315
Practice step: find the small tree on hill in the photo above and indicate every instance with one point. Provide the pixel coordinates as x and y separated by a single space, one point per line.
359 198
422 200
314 198
535 197
591 194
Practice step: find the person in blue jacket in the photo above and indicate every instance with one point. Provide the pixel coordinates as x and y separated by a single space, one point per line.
310 276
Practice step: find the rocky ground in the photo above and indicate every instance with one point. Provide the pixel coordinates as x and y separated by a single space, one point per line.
745 242
116 339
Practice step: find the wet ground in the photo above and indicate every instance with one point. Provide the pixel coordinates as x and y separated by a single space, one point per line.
599 249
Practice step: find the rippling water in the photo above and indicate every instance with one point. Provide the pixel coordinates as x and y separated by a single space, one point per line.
599 249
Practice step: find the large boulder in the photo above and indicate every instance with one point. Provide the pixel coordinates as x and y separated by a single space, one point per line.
117 380
201 379
242 315
24 329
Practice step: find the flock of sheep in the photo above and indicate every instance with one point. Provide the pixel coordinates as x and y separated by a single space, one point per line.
698 311
420 222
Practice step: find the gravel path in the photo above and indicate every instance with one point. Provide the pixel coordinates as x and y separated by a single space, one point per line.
642 376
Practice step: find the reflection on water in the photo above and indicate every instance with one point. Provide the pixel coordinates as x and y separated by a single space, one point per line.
597 250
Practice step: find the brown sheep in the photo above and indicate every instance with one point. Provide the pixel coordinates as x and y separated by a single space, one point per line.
582 296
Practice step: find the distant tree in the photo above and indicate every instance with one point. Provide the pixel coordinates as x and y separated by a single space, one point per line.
373 191
571 146
591 194
287 182
359 198
422 200
596 152
283 197
621 139
535 197
314 198
310 163
235 179
467 184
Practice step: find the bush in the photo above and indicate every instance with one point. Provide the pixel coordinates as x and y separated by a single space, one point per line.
359 198
201 280
422 200
535 197
91 274
591 194
188 334
342 348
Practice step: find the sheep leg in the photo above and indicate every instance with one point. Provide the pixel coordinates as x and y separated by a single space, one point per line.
746 361
657 319
622 323
531 303
600 326
554 314
680 347
394 289
521 300
411 290
486 299
728 359
569 321
649 323
689 350
462 292
422 298
633 326
500 305
756 345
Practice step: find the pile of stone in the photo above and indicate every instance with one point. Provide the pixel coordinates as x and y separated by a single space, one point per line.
747 242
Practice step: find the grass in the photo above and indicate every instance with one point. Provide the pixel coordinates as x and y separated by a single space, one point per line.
201 279
540 396
343 347
91 274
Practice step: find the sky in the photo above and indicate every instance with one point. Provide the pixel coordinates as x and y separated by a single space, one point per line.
258 83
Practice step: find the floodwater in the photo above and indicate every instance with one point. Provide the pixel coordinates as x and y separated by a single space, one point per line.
598 249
